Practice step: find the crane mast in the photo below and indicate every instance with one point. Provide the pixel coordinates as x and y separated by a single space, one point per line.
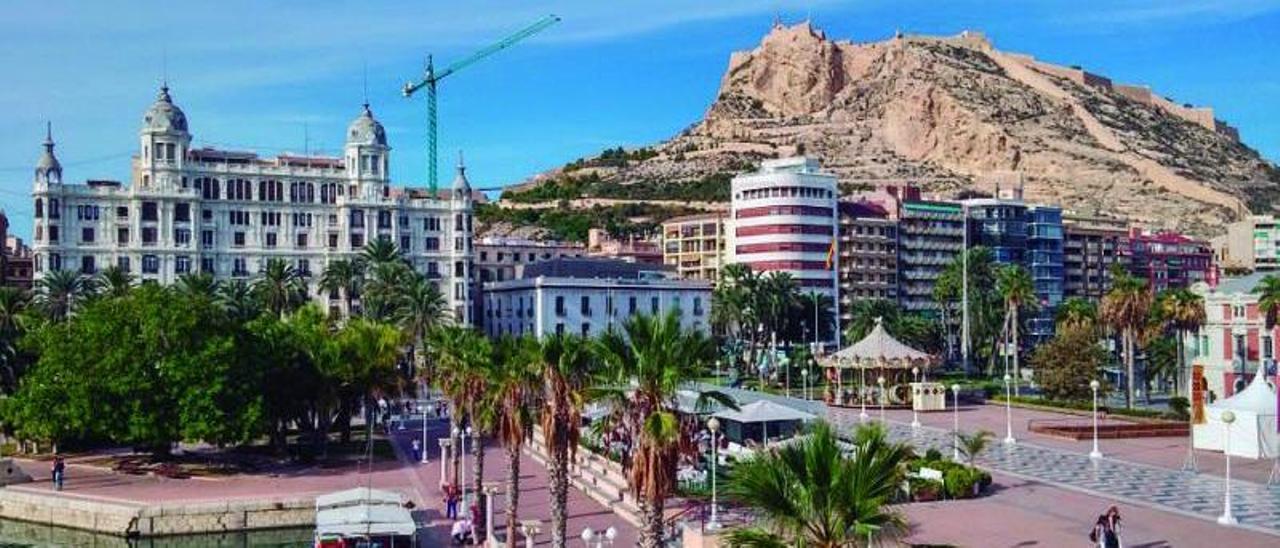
432 78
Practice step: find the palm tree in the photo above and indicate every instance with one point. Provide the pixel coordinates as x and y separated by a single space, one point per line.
462 356
384 288
811 494
515 377
1077 313
281 288
644 365
567 367
1124 309
1018 291
1268 291
776 295
60 292
342 277
972 445
198 285
731 300
238 300
379 251
114 281
421 308
1183 312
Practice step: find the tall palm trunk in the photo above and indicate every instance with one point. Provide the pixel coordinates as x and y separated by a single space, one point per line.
1128 364
651 532
477 480
513 491
559 484
455 444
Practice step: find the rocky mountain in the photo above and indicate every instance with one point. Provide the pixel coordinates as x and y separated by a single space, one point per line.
953 114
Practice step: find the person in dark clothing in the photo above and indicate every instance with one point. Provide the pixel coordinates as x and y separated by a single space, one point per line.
1106 530
59 472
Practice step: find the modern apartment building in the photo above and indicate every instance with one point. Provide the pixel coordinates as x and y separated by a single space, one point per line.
229 212
868 259
1252 243
784 220
1168 259
930 236
694 245
589 296
1029 236
1091 245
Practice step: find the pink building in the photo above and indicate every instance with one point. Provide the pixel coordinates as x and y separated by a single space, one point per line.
1234 340
1169 259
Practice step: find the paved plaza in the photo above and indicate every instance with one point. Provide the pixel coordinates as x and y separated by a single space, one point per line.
1144 478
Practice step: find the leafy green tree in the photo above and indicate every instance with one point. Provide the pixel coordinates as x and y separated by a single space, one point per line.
644 365
913 329
811 494
237 298
198 285
14 320
1077 313
421 308
1066 364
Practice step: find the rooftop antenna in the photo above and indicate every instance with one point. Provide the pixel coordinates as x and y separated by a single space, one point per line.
164 67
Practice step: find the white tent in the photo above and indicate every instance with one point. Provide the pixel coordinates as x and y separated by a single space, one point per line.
764 411
1253 434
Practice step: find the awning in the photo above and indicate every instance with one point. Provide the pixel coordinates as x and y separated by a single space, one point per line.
763 411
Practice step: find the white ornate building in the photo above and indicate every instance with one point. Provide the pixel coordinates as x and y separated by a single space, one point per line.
228 212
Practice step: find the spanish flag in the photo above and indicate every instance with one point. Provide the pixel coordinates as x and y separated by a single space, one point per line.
831 254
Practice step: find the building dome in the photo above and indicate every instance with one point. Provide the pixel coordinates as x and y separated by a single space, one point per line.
164 116
365 130
47 167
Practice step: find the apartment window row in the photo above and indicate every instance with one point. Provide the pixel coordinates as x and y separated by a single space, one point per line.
785 192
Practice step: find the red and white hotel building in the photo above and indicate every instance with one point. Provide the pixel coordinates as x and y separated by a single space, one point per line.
784 217
1234 341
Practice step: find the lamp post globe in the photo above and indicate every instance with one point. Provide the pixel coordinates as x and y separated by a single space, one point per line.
587 534
1227 518
610 534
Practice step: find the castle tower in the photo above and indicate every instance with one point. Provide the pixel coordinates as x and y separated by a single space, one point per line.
460 202
367 155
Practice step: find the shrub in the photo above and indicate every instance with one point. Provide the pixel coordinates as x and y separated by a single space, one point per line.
1180 407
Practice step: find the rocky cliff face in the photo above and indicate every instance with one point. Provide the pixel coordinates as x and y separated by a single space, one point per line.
953 113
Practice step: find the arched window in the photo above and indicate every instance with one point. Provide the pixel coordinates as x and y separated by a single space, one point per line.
39 208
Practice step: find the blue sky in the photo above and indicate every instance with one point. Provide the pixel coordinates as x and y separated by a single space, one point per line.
621 72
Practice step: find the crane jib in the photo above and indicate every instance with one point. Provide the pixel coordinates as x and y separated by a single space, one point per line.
431 77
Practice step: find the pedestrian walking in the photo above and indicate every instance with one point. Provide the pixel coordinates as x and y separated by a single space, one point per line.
59 472
1106 530
417 450
451 501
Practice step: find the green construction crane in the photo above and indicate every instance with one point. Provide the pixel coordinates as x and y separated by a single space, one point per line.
432 77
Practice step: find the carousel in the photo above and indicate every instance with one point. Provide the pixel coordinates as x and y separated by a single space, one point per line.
881 370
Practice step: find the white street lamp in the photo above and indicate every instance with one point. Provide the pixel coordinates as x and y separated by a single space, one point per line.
713 424
425 410
1226 518
915 414
589 535
530 528
1094 385
955 423
880 381
862 396
1008 412
804 379
718 379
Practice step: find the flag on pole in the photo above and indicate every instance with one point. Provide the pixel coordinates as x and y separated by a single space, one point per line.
831 254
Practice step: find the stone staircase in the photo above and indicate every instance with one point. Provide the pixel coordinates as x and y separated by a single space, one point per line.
597 477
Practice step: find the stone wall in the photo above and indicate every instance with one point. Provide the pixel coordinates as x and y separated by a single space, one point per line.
123 519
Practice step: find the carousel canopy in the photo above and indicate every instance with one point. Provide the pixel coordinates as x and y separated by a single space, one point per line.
879 349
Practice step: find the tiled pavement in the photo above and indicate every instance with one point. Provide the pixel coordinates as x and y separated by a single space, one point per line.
1257 506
